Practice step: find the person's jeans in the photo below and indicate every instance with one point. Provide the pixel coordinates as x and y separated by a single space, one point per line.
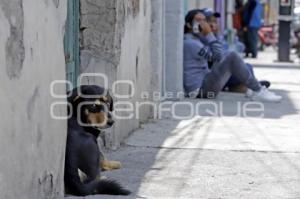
234 81
231 64
251 41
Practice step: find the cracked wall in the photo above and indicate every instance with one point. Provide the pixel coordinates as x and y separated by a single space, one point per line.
32 144
102 26
116 40
97 33
14 46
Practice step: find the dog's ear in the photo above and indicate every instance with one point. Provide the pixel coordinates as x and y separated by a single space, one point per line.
73 96
73 99
109 99
76 98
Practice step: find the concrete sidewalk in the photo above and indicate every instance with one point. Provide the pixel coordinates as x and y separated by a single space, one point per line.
219 157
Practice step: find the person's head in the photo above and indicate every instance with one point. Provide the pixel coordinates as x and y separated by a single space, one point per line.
193 16
213 22
212 18
239 4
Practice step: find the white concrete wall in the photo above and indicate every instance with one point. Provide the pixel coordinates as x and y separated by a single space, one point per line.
174 23
121 43
193 4
135 65
32 144
157 45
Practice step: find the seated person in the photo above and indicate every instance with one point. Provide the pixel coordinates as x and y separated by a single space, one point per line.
233 84
201 46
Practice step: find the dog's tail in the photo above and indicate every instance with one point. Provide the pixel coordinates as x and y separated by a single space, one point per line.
76 187
111 187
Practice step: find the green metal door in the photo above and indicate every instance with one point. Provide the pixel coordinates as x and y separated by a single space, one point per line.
71 42
186 6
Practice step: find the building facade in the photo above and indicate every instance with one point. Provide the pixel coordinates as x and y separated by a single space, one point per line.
44 44
135 44
139 42
32 143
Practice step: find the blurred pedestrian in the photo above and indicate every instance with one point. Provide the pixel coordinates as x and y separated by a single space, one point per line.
234 84
201 46
237 19
252 21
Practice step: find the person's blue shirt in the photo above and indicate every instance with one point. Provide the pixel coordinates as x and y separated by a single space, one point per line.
198 50
253 14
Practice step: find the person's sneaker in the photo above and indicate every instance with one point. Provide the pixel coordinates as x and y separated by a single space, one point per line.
265 83
249 93
264 95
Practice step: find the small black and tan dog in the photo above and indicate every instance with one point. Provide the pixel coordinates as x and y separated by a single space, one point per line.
90 114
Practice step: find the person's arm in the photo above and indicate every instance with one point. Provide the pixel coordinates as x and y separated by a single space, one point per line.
222 40
211 52
214 47
219 37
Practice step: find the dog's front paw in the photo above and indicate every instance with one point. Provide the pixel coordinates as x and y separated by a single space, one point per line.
106 165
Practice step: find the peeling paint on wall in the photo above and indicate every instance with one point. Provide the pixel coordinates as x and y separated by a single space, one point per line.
135 7
102 36
39 134
97 33
137 64
46 184
115 41
36 170
31 103
56 3
15 52
145 8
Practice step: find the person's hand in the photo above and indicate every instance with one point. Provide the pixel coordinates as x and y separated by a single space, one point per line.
206 29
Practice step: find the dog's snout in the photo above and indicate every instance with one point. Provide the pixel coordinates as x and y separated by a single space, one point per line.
110 122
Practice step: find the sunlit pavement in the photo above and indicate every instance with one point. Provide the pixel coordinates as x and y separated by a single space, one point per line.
229 156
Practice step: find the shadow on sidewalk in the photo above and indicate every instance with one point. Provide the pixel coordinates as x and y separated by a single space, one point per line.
158 160
285 108
165 152
233 104
145 167
163 155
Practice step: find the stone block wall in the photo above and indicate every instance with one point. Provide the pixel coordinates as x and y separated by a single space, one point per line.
116 40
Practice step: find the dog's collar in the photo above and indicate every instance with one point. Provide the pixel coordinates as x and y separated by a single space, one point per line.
94 131
98 129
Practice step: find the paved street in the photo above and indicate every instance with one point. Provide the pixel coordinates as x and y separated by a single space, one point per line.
220 157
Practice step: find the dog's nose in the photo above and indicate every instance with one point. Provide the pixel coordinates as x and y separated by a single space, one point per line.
110 122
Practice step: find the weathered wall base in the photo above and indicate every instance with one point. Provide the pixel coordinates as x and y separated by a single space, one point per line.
119 46
32 144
